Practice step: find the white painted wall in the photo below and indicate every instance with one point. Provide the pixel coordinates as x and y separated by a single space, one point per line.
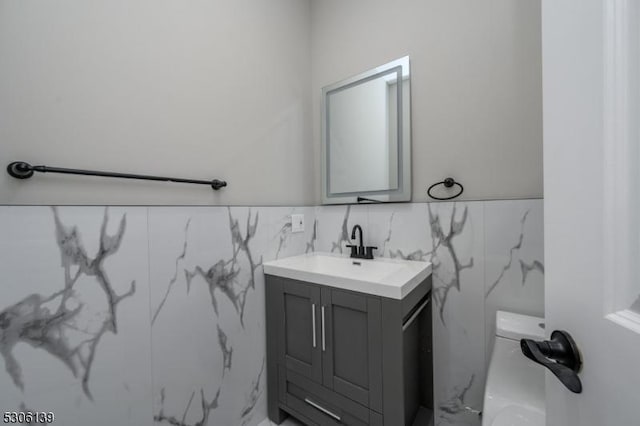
198 89
475 82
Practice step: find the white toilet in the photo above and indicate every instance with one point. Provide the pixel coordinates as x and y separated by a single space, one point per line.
514 391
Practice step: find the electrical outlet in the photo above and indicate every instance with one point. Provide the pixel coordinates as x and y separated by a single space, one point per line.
297 223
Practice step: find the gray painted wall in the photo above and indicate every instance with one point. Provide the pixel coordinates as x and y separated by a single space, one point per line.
476 85
231 89
197 89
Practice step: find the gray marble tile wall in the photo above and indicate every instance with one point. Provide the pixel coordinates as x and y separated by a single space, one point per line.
139 316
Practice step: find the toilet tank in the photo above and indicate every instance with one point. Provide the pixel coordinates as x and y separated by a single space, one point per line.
516 326
513 381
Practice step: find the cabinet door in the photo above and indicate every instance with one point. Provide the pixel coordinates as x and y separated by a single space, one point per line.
299 329
352 346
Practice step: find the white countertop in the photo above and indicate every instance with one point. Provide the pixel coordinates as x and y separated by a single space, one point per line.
392 278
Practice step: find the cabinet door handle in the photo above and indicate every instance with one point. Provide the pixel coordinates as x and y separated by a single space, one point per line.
323 340
313 322
324 410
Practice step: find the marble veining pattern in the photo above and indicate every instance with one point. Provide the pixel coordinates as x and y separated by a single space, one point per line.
219 374
205 406
443 246
283 235
457 235
512 251
45 322
223 275
525 267
283 242
387 240
343 233
311 245
227 351
400 232
455 405
252 399
75 278
174 278
334 225
418 254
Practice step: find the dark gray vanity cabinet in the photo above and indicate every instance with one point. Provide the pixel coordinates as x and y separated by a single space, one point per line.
330 350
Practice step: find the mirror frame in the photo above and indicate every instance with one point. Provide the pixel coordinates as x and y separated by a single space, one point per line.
403 191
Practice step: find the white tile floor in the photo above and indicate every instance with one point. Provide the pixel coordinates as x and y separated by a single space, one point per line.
290 421
424 418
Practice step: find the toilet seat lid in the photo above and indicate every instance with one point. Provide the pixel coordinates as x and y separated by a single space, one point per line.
514 415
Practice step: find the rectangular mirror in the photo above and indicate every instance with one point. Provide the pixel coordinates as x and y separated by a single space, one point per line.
366 136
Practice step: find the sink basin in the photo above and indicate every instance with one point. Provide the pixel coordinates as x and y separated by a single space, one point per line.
393 278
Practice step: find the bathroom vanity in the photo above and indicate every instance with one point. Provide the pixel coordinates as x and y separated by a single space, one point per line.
348 341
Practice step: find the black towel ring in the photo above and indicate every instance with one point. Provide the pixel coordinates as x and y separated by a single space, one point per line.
448 183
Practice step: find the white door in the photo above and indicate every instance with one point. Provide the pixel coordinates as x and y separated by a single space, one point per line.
592 209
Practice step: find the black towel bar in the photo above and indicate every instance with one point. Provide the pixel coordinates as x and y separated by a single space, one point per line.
22 170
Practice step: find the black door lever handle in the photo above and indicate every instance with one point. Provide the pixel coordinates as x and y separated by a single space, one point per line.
560 355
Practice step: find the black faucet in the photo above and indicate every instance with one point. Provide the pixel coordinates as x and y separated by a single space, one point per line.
360 251
360 247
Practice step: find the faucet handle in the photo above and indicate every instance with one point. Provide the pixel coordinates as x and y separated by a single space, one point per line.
354 249
369 254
